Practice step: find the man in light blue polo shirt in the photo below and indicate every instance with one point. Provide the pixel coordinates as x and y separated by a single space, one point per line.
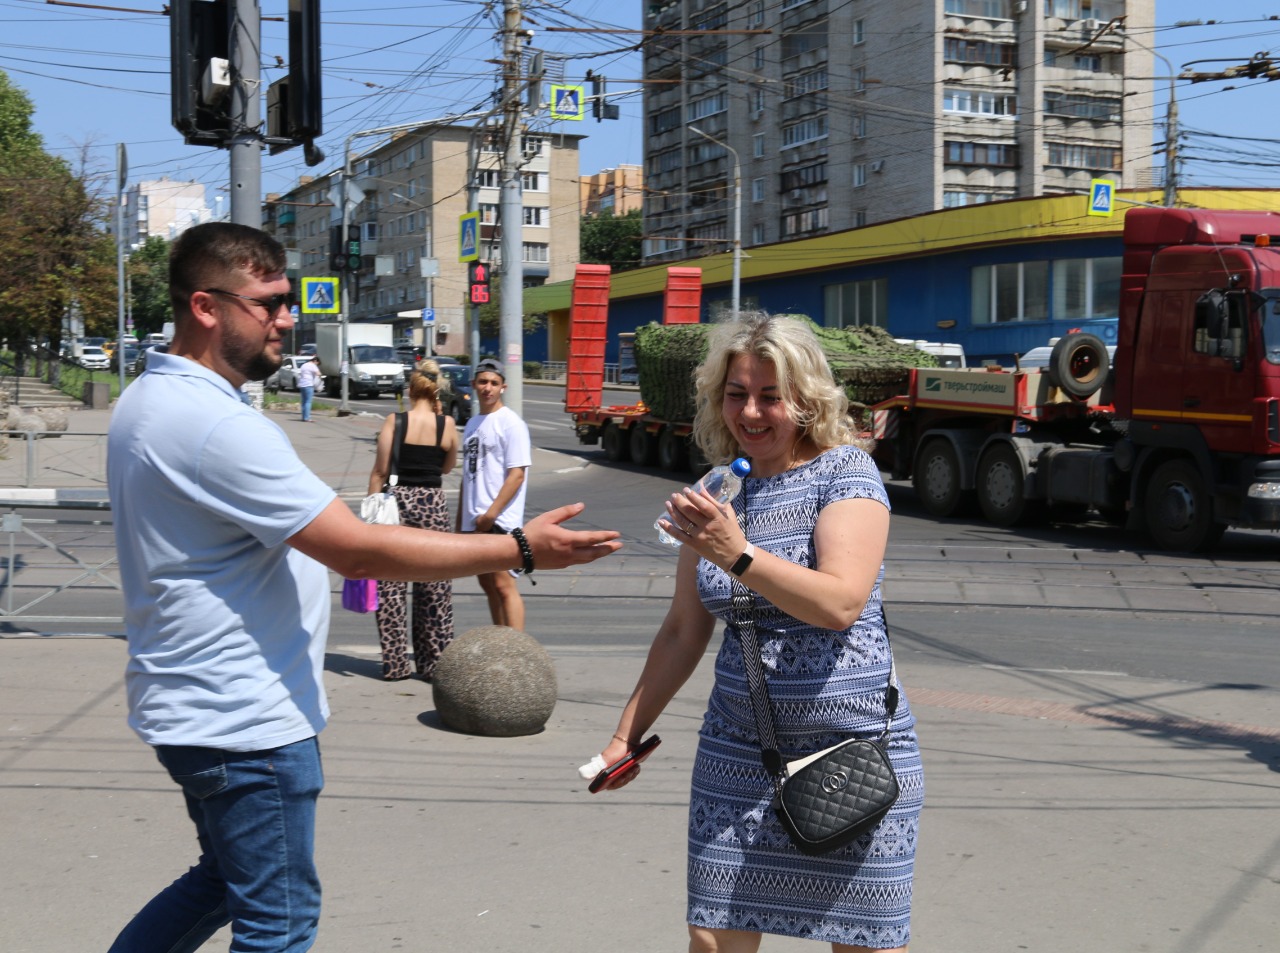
224 537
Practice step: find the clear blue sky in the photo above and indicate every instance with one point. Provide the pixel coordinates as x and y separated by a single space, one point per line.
99 77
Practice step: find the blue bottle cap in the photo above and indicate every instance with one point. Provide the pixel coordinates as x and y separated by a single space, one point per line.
740 467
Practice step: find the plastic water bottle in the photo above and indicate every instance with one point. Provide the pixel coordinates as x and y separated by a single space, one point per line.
723 483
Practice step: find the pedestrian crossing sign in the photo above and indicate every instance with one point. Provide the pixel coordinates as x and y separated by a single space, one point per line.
320 296
566 102
469 236
1101 197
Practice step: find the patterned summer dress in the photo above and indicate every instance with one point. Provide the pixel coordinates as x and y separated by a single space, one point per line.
825 686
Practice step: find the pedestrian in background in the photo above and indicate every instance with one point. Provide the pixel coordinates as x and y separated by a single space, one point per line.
224 540
428 451
308 381
806 535
496 455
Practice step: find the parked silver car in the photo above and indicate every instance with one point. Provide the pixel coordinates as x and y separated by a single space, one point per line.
286 378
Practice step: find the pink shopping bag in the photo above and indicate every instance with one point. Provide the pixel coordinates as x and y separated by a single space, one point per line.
360 595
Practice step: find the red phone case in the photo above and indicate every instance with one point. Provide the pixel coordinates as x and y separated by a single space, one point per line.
623 765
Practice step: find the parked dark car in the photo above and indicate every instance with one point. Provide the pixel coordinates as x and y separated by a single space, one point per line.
130 358
307 350
457 399
140 364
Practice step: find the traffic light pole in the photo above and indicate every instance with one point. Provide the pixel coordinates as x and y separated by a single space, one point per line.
511 207
245 145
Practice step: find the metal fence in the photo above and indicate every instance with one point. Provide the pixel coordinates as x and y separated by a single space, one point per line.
65 458
556 370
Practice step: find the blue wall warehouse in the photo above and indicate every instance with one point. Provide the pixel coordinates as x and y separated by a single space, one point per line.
926 266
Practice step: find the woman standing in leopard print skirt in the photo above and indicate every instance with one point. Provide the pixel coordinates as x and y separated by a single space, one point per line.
429 451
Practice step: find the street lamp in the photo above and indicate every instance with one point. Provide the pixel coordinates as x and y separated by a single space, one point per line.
736 299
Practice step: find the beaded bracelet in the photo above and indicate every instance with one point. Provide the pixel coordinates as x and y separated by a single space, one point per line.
526 553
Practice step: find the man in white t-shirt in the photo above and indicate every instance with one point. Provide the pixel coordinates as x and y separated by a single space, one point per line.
495 455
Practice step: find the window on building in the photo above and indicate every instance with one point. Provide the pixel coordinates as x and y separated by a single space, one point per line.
979 102
757 190
813 174
1096 158
758 59
1085 288
665 120
711 232
757 145
856 303
489 178
705 151
804 221
979 52
805 40
807 130
804 83
1083 106
859 33
859 174
991 9
959 199
859 126
665 161
859 80
369 231
534 181
981 153
536 252
708 106
536 215
488 213
756 17
757 100
1017 291
757 233
531 146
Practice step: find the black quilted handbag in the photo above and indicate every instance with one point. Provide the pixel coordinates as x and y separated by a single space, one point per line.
829 798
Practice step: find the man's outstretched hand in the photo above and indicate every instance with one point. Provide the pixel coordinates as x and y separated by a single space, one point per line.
555 547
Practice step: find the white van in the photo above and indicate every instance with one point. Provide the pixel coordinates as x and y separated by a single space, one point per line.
948 355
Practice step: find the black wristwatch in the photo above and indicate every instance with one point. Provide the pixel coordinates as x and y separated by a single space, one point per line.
743 561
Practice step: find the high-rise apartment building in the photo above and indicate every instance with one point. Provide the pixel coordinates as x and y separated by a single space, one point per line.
838 113
415 187
162 207
615 191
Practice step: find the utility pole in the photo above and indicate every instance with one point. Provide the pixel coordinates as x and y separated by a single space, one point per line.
245 144
511 211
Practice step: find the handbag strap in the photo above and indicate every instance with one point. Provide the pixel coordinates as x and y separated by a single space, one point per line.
402 427
744 607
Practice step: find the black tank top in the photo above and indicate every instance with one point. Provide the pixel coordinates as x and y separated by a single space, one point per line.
420 465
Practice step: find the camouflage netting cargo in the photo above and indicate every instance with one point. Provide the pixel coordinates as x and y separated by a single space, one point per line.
870 364
666 357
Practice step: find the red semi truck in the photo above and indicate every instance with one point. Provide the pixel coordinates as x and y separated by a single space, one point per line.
1179 437
628 431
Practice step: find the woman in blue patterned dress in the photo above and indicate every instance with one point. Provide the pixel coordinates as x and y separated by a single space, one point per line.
816 526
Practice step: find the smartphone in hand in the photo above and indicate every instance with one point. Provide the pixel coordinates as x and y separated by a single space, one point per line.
620 767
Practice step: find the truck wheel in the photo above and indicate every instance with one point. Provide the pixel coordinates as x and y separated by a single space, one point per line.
698 464
671 451
644 446
936 479
1079 364
1179 510
1002 486
615 443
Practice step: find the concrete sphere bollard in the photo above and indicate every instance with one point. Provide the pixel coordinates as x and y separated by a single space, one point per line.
494 680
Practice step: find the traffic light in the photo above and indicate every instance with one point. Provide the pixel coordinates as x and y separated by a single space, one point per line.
352 248
344 255
294 103
199 53
478 282
599 108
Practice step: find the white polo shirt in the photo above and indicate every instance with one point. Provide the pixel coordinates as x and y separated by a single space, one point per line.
226 622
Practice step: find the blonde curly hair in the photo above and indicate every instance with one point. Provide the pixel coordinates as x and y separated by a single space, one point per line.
812 397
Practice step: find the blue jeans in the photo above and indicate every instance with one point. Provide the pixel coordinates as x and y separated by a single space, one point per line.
307 393
254 813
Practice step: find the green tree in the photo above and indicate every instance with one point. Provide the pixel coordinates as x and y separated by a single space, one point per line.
56 254
607 239
491 313
149 286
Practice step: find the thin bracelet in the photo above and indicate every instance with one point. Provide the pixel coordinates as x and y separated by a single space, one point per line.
623 740
526 553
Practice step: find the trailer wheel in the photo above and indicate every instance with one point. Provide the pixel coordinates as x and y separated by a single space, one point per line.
615 443
698 464
1179 510
936 478
671 451
1002 486
644 446
1079 364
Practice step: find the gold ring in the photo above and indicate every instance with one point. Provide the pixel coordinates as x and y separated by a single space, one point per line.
689 530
